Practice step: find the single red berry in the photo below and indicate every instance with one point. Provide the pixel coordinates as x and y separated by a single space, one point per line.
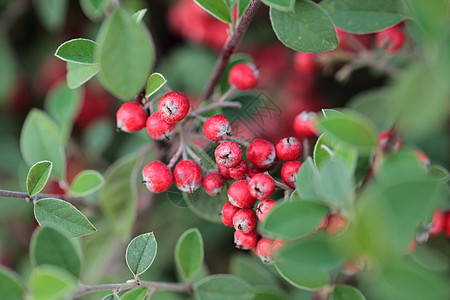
239 195
240 171
277 246
336 224
437 223
288 148
261 153
228 154
245 240
173 107
447 223
243 76
252 171
304 124
131 117
390 39
228 212
157 177
264 208
217 128
384 137
305 63
289 172
159 129
264 250
213 184
224 172
261 186
187 176
423 158
245 220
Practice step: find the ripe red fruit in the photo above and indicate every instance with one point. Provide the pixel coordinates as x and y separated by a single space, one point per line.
228 154
288 148
447 223
157 177
289 172
240 171
187 176
213 184
336 223
305 63
264 208
264 250
304 124
131 117
173 107
245 220
228 212
243 76
224 172
383 138
261 186
437 223
159 129
217 128
390 39
239 195
245 240
261 153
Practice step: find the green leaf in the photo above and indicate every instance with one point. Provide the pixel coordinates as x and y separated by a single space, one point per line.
50 247
141 253
365 16
8 71
439 173
94 9
51 13
51 283
293 220
154 83
431 16
346 292
38 176
282 5
326 147
139 15
78 74
62 215
86 182
40 139
222 287
10 285
306 29
135 294
242 6
79 51
98 137
251 270
303 278
111 297
189 252
126 55
217 8
306 177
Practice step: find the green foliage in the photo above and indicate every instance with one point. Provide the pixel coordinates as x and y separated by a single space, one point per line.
303 278
217 8
94 9
283 5
79 51
139 15
51 13
154 83
253 271
135 294
242 7
346 292
10 285
8 70
86 182
78 74
326 148
189 253
221 287
111 297
141 253
305 183
38 177
51 283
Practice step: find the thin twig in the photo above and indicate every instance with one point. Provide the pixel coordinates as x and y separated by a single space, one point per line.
217 105
239 140
197 159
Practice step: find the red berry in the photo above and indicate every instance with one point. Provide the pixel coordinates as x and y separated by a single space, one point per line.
264 208
264 250
239 195
305 63
243 76
437 223
289 172
217 128
261 186
187 176
304 124
240 171
131 117
447 223
383 138
252 171
245 240
228 154
228 212
224 172
173 107
157 177
213 184
277 245
261 153
336 223
245 220
390 39
288 148
159 129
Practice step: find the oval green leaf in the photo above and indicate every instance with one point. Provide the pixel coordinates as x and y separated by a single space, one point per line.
306 176
86 182
51 283
78 74
62 215
154 83
79 51
135 294
242 6
139 15
51 13
51 247
111 297
283 5
141 253
94 9
189 252
306 29
346 292
251 270
303 278
38 176
10 285
217 8
223 287
326 148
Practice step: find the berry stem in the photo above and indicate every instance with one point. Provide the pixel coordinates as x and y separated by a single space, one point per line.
226 95
197 159
281 185
218 105
175 157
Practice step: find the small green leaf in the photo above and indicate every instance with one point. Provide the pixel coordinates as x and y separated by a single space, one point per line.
51 283
111 297
306 29
62 215
243 5
251 270
283 5
51 13
135 294
38 176
346 292
139 15
50 247
222 287
79 51
439 173
154 83
326 147
10 285
217 8
78 74
301 277
141 253
94 9
306 177
189 252
86 182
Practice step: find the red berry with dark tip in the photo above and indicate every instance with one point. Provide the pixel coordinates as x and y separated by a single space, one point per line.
261 153
131 117
383 138
159 129
243 76
390 39
288 148
217 128
304 124
239 195
213 184
305 63
228 212
264 250
245 220
157 177
264 208
289 172
224 172
173 107
437 223
228 154
187 176
245 240
261 186
240 171
336 224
